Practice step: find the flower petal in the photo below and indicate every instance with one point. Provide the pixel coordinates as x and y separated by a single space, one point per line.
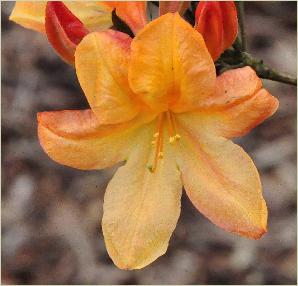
141 208
238 120
101 61
64 30
223 183
31 15
238 105
75 138
94 15
133 13
233 86
177 70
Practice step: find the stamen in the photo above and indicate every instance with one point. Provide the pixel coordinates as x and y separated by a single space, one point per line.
158 137
159 143
174 136
170 124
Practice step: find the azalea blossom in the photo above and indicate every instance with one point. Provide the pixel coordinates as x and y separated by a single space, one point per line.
31 15
66 23
217 22
157 105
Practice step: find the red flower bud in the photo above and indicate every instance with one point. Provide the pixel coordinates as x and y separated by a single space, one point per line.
218 24
64 30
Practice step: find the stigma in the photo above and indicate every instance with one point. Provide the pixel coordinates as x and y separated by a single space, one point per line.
158 137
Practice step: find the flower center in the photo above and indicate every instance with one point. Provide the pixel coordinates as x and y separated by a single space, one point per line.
157 141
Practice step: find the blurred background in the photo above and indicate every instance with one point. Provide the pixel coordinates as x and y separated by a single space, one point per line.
51 214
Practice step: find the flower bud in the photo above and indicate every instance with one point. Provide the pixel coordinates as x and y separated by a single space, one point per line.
64 30
218 24
173 6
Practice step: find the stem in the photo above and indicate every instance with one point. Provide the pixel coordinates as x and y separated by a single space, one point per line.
268 73
232 59
240 12
265 72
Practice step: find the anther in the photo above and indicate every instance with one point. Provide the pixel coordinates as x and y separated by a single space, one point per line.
172 139
156 135
177 136
153 142
150 168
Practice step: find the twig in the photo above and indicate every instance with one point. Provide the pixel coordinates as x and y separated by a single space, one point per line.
265 72
232 59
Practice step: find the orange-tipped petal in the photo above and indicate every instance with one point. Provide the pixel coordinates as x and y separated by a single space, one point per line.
176 69
234 120
218 24
141 208
30 15
222 182
173 6
75 138
101 61
237 120
64 30
233 86
238 105
133 13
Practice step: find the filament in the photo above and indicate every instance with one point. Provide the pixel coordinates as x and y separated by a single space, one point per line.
158 137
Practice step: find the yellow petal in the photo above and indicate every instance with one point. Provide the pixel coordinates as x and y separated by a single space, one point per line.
176 69
94 15
223 183
101 61
75 138
31 15
141 208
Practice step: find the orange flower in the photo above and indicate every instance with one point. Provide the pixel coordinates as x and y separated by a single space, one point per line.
156 103
65 24
218 24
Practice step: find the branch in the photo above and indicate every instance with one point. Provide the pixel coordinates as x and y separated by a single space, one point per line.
232 59
265 72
